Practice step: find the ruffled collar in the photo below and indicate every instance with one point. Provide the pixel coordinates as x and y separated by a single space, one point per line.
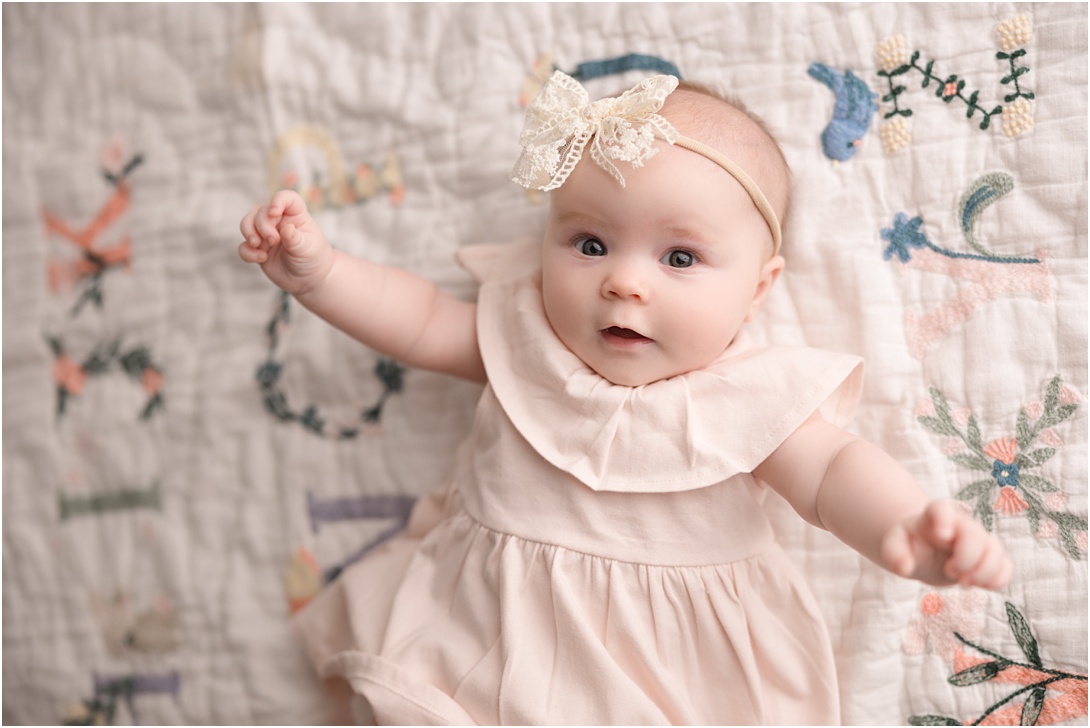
681 433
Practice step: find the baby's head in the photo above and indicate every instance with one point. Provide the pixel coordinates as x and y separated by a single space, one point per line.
649 271
727 127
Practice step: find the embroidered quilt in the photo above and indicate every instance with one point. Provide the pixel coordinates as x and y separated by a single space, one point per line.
189 456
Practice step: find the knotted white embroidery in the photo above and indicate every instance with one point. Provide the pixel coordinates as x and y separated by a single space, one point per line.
561 121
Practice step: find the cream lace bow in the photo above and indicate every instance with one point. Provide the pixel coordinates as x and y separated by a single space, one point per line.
562 121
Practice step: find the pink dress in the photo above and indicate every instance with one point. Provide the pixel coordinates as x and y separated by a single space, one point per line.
600 555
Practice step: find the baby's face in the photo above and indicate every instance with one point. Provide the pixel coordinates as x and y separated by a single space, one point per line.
654 279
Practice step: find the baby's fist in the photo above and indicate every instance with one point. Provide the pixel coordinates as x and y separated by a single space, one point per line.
942 545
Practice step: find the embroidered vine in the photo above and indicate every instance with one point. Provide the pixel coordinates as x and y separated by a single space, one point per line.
71 376
1011 488
1047 696
984 274
895 65
389 373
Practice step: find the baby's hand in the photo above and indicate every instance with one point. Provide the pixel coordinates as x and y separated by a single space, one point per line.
286 242
943 545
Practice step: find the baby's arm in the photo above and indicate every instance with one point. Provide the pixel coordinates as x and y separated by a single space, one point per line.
393 311
859 493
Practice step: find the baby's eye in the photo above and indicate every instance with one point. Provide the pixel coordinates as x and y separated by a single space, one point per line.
590 246
679 259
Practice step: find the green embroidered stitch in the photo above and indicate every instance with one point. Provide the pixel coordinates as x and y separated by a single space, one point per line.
119 500
893 64
137 363
1010 489
388 372
1037 679
947 89
982 193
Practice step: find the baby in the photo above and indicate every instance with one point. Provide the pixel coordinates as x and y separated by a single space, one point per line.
600 554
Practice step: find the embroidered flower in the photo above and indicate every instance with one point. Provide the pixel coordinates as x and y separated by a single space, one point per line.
1017 117
1014 33
950 89
1004 449
69 375
1009 502
151 380
943 614
1004 452
895 135
891 53
903 236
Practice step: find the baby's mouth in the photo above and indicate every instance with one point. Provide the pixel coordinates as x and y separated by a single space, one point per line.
620 332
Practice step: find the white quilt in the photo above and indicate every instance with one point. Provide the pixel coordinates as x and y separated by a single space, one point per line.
188 456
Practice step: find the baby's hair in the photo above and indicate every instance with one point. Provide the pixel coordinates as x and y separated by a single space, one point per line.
713 131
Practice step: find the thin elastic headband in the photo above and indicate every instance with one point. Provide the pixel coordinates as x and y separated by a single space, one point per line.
561 122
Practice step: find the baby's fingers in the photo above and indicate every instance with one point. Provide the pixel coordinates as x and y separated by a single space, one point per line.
252 253
897 552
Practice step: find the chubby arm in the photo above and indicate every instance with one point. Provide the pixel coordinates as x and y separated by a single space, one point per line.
393 311
855 490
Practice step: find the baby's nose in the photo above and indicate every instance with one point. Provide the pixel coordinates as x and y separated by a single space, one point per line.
626 281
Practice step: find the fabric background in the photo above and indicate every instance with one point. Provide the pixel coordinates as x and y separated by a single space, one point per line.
187 455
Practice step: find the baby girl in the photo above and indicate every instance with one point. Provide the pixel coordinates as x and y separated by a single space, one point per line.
600 554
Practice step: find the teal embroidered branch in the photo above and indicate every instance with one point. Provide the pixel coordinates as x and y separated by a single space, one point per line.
389 373
1010 488
1033 676
1015 74
905 235
948 87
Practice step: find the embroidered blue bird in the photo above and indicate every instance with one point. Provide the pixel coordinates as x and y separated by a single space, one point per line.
855 104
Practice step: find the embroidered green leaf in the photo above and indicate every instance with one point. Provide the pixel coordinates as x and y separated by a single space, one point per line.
983 513
1026 640
971 461
975 489
1031 709
972 434
1024 434
937 425
1034 482
932 720
1035 458
982 193
976 674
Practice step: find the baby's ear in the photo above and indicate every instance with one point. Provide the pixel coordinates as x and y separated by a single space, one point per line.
768 276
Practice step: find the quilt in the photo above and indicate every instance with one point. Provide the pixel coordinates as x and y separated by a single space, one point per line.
189 456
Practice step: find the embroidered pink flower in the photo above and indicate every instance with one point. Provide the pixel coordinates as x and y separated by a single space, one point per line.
952 446
1004 449
1010 502
1050 438
151 381
1069 395
950 90
69 375
943 614
1034 410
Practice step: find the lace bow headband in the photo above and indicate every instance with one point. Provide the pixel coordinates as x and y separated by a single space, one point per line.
562 121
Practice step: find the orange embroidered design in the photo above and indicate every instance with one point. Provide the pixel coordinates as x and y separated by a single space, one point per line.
1043 695
95 258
